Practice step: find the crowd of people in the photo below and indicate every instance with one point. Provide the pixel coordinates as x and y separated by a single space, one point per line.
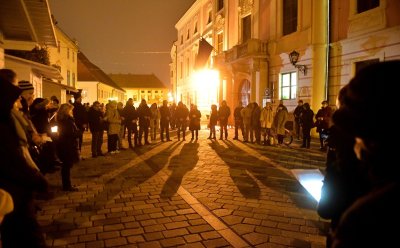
360 188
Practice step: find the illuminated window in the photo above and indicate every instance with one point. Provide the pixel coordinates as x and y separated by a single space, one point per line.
289 22
135 98
220 5
364 5
246 28
220 42
288 85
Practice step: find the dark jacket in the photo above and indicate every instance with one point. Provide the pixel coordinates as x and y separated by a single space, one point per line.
165 114
95 118
80 115
194 119
144 114
130 114
67 143
323 118
223 114
307 119
237 114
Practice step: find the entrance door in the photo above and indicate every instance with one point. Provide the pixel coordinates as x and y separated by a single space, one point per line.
244 94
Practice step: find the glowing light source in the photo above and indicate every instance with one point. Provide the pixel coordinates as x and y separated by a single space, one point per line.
54 129
170 97
311 180
205 85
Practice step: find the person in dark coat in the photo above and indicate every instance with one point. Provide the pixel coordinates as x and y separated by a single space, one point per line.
181 115
96 126
223 114
297 118
18 177
80 117
213 121
67 143
131 118
323 119
164 121
237 114
144 114
172 110
371 221
255 122
194 122
307 122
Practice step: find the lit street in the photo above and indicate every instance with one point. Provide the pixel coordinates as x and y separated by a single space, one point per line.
203 193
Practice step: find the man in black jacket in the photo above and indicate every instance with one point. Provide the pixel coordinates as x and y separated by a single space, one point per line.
96 126
131 117
80 116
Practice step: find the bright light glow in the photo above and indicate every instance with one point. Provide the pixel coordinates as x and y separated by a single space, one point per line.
113 98
170 97
54 129
205 84
311 180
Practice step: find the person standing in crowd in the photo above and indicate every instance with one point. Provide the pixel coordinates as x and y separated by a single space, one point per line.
266 120
131 117
144 114
181 115
8 75
213 121
238 121
323 119
280 119
371 220
172 110
297 118
223 114
67 144
20 227
165 117
248 130
114 125
194 121
307 122
345 178
96 126
80 116
154 121
255 122
120 109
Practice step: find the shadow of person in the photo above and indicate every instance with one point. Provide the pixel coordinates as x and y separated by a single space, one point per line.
180 164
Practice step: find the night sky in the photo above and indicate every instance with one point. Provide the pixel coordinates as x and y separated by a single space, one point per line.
123 36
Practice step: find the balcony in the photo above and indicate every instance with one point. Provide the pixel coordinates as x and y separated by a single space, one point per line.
252 48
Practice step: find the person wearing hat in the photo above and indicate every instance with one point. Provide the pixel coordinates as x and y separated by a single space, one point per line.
20 227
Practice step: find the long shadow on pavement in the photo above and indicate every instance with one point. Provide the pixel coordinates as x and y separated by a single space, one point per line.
244 169
180 164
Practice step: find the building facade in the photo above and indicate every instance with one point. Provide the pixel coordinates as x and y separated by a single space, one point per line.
95 85
64 58
252 39
142 86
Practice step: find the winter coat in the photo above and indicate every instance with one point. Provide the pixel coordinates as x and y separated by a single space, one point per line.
213 118
194 119
114 121
67 142
144 114
267 117
307 119
95 118
181 115
165 115
323 118
80 115
155 118
255 117
130 114
280 120
223 114
246 114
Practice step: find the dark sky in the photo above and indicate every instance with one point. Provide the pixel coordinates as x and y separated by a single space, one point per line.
123 36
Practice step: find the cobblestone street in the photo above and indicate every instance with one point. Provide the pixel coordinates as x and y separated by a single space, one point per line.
203 193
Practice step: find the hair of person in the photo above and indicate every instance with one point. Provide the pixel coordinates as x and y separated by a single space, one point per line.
8 75
63 111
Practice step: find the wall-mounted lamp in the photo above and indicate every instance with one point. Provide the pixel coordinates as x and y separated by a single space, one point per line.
294 57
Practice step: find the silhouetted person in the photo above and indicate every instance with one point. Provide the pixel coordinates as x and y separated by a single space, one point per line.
80 117
194 122
165 117
371 221
223 115
307 122
238 121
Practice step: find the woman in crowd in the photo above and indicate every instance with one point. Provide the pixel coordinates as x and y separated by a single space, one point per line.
194 122
154 121
213 121
67 144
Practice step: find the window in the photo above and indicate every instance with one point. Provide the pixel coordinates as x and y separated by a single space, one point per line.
361 64
181 71
364 5
288 87
195 29
220 42
187 67
289 22
220 5
73 79
209 17
246 28
149 91
161 92
59 47
67 53
135 98
68 78
181 39
188 34
73 56
142 91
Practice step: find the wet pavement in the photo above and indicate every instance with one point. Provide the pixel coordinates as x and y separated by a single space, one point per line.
200 193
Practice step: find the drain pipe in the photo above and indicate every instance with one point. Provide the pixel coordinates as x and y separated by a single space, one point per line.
328 40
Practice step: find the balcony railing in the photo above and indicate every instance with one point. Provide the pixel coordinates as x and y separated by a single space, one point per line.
251 48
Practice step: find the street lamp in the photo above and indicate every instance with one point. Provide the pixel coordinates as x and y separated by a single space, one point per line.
294 57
